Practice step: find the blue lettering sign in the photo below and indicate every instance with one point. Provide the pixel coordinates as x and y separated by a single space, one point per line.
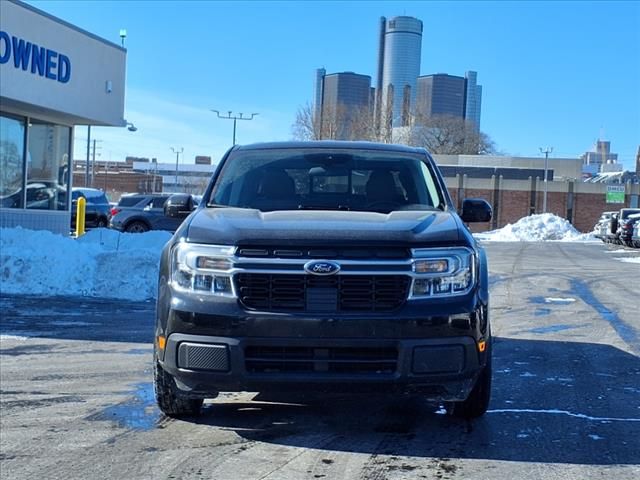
64 68
21 53
35 59
4 39
51 64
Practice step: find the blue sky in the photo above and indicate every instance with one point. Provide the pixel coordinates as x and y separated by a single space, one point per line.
555 74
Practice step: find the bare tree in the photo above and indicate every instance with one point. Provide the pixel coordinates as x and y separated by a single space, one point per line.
307 124
447 134
440 134
342 122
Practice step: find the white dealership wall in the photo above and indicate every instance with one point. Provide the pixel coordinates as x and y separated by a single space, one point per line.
93 93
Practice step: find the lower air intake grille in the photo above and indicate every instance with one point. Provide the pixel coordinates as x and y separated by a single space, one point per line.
309 293
330 360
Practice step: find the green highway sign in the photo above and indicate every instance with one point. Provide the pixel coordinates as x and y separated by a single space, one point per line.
615 193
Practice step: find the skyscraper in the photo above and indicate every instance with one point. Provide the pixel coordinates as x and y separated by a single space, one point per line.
440 94
398 68
317 101
600 159
443 94
473 99
344 101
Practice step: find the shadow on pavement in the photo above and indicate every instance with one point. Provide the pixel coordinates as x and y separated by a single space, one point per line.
553 402
77 318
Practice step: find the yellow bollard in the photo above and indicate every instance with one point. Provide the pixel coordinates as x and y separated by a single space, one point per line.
81 208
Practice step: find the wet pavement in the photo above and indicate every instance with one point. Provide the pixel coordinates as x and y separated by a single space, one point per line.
76 399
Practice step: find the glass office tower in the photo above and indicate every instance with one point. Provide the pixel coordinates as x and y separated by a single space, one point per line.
399 56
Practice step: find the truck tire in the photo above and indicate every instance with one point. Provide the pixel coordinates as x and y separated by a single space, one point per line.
477 402
170 400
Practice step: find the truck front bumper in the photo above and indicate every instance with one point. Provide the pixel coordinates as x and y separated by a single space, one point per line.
441 369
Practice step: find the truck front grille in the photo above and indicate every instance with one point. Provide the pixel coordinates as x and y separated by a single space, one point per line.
329 360
309 293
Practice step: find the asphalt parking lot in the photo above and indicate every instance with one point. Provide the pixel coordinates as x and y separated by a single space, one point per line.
76 400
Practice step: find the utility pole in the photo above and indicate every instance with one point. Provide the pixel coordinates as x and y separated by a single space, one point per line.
235 118
106 172
177 152
86 174
93 162
546 163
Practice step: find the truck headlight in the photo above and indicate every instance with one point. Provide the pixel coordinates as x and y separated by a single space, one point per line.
441 272
203 269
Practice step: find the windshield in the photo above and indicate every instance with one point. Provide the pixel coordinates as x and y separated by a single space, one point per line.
293 179
626 213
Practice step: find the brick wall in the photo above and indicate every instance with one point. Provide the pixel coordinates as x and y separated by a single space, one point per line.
514 206
115 184
581 203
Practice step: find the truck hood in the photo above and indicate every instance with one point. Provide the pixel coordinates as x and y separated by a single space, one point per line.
239 226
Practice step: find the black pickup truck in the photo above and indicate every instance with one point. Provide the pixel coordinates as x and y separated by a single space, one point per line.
324 266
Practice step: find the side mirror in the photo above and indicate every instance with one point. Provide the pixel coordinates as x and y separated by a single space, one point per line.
179 205
476 210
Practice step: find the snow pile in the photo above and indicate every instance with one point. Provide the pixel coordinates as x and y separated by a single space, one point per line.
628 260
536 228
103 263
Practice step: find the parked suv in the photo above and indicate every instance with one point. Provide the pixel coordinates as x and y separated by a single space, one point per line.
97 208
322 266
626 219
143 212
635 236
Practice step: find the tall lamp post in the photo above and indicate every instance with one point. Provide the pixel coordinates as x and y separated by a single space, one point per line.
235 118
87 179
177 152
546 163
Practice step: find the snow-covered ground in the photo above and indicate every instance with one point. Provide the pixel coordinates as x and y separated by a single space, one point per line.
537 228
103 263
109 264
628 260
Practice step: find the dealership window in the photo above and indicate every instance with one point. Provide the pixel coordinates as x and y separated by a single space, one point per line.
48 166
12 132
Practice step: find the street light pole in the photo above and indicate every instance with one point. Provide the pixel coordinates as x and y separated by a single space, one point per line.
235 119
546 163
177 152
87 180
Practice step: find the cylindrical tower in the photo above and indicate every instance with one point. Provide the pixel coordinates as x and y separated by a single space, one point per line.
401 67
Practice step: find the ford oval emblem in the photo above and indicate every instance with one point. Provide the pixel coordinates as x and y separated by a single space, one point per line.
321 267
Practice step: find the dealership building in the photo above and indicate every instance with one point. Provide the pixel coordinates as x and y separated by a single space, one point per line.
53 76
